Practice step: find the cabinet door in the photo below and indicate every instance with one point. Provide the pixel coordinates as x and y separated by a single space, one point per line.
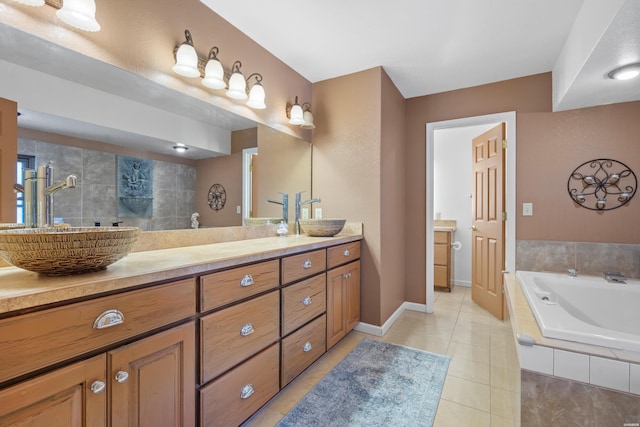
71 396
335 306
352 296
152 381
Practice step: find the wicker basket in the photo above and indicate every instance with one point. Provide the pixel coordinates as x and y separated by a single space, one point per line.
64 251
322 227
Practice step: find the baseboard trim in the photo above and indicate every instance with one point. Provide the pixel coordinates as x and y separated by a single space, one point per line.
379 331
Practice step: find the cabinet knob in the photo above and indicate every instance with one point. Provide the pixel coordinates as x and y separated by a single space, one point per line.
108 319
306 301
346 275
98 387
307 264
307 347
247 280
346 252
122 376
247 329
246 391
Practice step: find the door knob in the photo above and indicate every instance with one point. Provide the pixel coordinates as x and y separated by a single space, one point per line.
473 228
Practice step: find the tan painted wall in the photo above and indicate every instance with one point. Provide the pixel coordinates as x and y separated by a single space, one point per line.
549 146
140 36
347 167
245 138
226 171
8 159
392 198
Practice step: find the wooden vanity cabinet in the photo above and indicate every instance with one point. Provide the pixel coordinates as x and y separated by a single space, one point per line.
343 301
145 382
442 261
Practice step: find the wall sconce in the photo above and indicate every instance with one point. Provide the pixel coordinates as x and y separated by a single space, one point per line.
300 115
180 148
189 64
80 14
626 72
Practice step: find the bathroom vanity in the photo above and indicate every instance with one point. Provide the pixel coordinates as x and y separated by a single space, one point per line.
199 335
443 255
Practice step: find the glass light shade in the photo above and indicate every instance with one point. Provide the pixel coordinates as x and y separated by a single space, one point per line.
31 2
256 97
625 73
308 120
180 148
214 75
296 115
80 14
186 61
237 86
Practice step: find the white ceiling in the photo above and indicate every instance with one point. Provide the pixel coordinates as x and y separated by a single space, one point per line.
432 46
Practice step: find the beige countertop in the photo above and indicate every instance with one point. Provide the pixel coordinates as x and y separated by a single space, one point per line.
444 225
21 289
523 321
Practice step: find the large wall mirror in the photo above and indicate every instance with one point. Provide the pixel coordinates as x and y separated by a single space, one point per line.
85 116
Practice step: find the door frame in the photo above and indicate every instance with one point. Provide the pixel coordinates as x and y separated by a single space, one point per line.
247 187
510 188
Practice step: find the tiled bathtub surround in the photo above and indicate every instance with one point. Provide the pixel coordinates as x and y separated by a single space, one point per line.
586 258
95 198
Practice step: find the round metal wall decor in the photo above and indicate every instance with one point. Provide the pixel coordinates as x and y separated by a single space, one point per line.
602 184
217 197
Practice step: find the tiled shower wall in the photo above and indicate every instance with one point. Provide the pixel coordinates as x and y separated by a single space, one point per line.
586 258
95 197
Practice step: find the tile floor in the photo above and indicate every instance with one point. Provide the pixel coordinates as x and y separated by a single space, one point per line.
482 387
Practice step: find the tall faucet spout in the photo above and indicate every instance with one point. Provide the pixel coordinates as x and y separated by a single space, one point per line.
69 182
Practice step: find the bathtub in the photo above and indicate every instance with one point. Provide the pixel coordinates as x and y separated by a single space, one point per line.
584 309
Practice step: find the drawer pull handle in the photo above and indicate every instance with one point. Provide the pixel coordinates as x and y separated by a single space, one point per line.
307 347
306 301
247 280
247 391
307 264
346 252
122 376
108 319
98 387
246 330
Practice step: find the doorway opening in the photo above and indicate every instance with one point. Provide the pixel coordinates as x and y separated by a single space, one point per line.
509 118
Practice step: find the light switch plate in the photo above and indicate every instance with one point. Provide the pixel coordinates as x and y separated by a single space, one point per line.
305 213
527 209
318 213
238 209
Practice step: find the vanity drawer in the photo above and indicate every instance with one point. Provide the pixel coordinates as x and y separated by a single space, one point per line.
236 395
234 334
298 267
342 254
441 237
441 254
303 301
225 287
39 339
302 348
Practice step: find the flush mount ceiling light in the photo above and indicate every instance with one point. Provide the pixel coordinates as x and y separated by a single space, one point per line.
180 148
626 72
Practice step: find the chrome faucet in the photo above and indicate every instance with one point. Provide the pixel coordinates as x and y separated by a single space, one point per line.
45 191
285 206
298 205
573 272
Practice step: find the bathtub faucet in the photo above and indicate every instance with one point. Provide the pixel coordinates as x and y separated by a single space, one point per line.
614 277
573 272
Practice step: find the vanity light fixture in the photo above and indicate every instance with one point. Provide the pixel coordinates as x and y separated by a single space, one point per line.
256 94
186 58
300 115
625 72
237 83
213 72
295 113
80 14
180 148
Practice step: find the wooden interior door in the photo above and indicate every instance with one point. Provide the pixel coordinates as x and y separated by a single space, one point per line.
487 249
8 159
